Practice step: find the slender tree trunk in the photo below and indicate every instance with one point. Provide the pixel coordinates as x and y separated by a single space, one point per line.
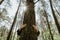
49 26
57 11
45 14
14 21
55 18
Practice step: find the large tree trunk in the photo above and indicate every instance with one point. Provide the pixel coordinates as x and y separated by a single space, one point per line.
55 18
28 32
29 17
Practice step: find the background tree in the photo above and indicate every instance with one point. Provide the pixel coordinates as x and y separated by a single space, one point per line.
8 37
56 21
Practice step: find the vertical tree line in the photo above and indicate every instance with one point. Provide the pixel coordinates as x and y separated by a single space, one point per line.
48 25
54 16
45 14
14 21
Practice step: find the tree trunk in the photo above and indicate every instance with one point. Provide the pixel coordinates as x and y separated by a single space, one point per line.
55 18
28 32
29 17
45 14
9 34
49 26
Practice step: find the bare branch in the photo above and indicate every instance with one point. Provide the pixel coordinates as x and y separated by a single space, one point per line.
57 11
1 1
36 1
54 16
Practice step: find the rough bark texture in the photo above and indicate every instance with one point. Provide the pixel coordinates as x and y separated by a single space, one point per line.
28 32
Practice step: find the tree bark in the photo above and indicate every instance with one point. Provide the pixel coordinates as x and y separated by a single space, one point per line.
28 32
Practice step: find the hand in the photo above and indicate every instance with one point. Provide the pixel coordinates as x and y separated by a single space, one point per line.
23 26
35 28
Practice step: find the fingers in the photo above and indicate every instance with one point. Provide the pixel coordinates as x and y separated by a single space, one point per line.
35 28
23 26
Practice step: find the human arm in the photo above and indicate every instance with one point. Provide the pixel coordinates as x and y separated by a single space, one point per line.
36 30
21 28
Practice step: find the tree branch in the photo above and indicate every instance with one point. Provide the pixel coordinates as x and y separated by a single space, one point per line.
1 1
57 11
36 1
